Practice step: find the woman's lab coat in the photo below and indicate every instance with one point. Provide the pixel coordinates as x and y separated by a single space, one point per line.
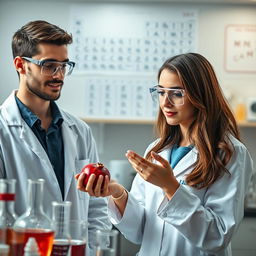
194 222
22 157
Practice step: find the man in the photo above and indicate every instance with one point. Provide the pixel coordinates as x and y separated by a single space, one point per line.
37 139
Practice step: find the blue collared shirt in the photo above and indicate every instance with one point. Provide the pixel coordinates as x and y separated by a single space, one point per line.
178 153
51 140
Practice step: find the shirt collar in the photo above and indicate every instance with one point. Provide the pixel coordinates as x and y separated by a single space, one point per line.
57 117
30 118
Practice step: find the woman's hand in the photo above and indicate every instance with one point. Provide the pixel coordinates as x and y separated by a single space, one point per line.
160 174
110 187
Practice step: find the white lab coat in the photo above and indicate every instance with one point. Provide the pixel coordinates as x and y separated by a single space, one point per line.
196 222
22 157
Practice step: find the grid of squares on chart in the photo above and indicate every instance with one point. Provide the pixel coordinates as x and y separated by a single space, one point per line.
160 40
119 98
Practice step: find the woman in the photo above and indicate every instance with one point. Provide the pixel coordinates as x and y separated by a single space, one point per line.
188 195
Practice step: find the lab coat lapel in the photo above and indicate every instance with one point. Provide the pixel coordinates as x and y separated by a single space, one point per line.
13 118
70 140
186 162
166 154
28 137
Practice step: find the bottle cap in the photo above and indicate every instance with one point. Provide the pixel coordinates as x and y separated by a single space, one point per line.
31 248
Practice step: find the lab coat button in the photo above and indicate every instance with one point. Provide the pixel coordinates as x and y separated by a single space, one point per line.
165 215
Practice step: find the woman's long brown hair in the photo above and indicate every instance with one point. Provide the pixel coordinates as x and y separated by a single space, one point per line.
213 122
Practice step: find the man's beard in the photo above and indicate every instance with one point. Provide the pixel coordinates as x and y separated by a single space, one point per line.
42 95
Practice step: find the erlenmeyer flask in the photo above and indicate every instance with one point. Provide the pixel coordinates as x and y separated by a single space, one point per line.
34 222
61 220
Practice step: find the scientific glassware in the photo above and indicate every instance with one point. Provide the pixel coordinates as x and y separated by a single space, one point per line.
4 249
7 213
106 241
34 222
78 232
61 220
31 248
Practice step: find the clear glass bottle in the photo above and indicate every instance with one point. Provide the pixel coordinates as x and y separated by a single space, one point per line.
7 212
34 222
61 220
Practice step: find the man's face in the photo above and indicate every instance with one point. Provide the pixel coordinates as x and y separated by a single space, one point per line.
46 87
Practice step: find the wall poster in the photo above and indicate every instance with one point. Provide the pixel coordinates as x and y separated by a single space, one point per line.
120 53
240 48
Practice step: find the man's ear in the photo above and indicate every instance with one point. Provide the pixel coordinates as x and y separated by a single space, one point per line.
19 64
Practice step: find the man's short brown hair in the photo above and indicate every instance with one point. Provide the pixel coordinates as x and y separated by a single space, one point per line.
27 38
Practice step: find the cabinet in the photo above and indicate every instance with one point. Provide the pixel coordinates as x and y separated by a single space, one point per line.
243 124
243 243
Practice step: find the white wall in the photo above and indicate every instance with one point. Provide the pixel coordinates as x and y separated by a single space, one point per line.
114 140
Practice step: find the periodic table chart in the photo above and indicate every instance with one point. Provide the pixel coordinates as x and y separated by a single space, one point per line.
119 55
119 98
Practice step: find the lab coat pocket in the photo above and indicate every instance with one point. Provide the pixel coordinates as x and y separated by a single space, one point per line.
78 168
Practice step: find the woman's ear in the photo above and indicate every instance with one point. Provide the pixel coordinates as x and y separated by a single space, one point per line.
19 64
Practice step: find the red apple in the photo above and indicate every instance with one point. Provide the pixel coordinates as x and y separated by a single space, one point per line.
97 169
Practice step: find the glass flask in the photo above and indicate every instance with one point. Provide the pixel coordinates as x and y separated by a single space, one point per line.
61 220
106 242
7 213
34 222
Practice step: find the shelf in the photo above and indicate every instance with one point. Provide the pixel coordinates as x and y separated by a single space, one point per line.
151 122
117 121
246 124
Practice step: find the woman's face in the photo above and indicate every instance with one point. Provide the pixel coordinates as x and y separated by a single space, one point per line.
182 115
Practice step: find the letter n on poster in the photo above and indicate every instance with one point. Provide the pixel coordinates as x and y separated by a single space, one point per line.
240 48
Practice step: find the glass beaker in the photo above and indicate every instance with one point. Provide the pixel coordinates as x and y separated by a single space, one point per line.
61 220
34 222
106 242
78 232
7 213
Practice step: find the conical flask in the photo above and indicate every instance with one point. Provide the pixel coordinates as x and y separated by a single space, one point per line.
61 220
34 222
7 213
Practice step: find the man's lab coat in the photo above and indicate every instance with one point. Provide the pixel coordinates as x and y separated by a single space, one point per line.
22 157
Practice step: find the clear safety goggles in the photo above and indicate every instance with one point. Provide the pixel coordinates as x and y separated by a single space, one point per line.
50 68
175 96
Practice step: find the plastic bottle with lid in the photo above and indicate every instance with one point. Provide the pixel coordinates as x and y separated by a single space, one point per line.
31 248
